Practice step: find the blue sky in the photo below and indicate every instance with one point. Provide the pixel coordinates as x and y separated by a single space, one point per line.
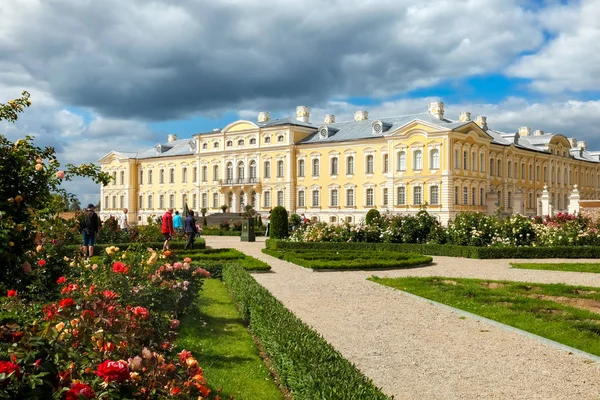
116 75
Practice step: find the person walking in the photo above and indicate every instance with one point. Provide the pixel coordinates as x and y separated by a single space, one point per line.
167 228
190 229
89 229
177 222
268 224
123 221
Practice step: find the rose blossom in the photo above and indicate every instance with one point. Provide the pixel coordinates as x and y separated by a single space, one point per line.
120 268
11 293
39 248
174 324
113 370
187 260
6 367
178 265
41 263
135 363
141 312
62 279
68 302
39 167
110 294
79 390
60 174
147 354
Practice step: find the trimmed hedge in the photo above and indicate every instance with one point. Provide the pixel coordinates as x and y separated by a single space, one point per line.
175 245
350 259
446 250
214 260
308 366
279 223
218 232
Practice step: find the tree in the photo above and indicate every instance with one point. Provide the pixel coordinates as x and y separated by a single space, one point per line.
279 223
373 216
30 179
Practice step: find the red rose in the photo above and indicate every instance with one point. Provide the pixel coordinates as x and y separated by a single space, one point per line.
79 390
141 312
41 263
62 279
113 370
110 294
6 367
11 293
64 303
120 268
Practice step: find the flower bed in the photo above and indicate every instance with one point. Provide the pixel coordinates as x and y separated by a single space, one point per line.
349 259
305 363
108 332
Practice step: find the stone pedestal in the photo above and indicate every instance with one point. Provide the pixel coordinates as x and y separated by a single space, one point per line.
518 205
546 206
573 207
492 202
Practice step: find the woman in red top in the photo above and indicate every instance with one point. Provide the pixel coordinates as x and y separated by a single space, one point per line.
167 228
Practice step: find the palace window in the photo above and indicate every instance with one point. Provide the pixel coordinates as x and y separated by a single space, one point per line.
334 198
161 176
418 160
171 175
301 198
349 197
253 141
195 174
465 196
204 173
334 166
350 165
481 197
229 171
384 197
122 201
481 162
465 160
499 170
417 195
150 201
267 200
114 178
241 171
370 197
280 169
473 196
141 177
434 195
456 159
184 175
491 167
161 201
456 195
267 168
315 167
301 167
241 142
215 172
172 201
370 164
122 177
401 196
402 161
386 163
140 201
315 198
215 200
435 159
473 162
253 174
280 198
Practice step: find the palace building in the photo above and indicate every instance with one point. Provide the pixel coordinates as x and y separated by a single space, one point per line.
338 171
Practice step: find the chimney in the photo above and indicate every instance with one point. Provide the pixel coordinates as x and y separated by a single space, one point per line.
436 108
172 138
264 116
581 145
464 116
302 114
524 131
573 142
482 122
361 115
538 132
329 119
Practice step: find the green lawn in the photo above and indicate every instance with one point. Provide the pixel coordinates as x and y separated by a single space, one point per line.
349 259
214 332
563 313
573 267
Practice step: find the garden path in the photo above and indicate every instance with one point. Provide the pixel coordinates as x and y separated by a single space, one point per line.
415 349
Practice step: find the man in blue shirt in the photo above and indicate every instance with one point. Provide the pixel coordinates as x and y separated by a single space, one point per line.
177 222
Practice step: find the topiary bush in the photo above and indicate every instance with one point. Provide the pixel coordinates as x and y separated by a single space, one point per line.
279 223
372 216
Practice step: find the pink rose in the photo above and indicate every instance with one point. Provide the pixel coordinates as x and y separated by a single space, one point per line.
175 324
60 174
39 167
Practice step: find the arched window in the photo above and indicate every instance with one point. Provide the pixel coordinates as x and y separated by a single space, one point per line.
522 171
315 198
267 139
491 167
402 161
499 170
334 198
150 178
215 145
229 143
435 159
386 163
465 160
509 169
184 175
253 171
204 173
267 168
172 175
161 176
370 164
215 172
334 166
456 159
241 142
350 165
418 160
122 177
280 138
315 167
280 168
204 146
253 141
229 172
241 171
301 167
473 161
481 162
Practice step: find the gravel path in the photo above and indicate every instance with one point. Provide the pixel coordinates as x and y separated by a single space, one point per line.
416 350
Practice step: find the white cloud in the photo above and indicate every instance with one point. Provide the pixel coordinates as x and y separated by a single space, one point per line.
569 62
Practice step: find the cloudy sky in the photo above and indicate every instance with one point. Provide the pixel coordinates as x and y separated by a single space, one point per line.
122 74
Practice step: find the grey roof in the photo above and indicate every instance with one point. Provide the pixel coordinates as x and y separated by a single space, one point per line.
285 121
356 130
176 148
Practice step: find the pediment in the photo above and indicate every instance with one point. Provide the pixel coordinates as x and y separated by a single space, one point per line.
238 126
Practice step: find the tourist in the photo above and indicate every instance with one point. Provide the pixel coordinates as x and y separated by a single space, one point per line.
89 228
268 224
123 221
177 222
190 229
167 228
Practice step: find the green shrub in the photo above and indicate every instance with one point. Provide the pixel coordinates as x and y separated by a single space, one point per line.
279 223
306 364
372 216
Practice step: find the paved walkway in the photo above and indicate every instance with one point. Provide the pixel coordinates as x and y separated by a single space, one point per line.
416 350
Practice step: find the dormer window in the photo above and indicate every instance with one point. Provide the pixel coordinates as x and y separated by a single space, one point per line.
192 144
229 143
253 141
280 138
205 146
216 145
267 139
241 142
323 133
379 127
158 148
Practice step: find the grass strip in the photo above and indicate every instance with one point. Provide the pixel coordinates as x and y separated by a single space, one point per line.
563 313
348 259
571 267
306 364
215 333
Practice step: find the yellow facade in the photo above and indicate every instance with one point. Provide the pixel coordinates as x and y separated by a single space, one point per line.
336 172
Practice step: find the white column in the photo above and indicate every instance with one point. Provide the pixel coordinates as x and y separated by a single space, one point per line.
546 207
574 197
